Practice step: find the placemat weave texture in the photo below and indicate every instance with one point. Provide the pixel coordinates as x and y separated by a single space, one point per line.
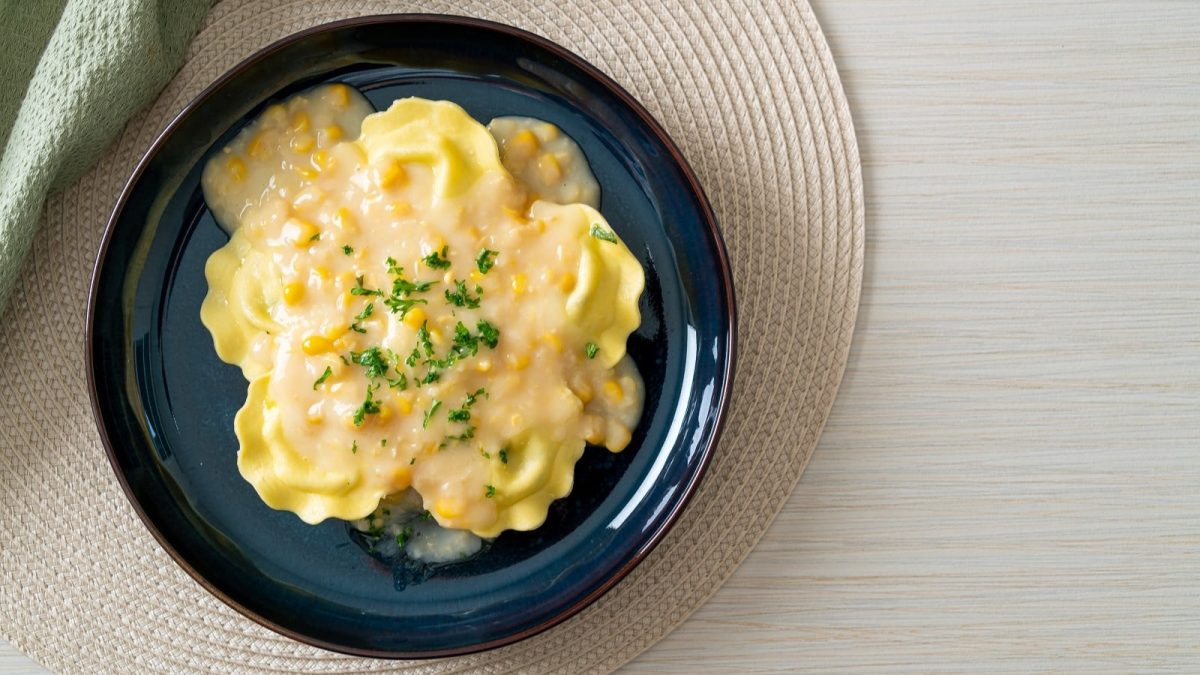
750 94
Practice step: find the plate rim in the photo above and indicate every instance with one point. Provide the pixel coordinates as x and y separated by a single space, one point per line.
708 218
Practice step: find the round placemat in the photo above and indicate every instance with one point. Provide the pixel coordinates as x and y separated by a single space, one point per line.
754 101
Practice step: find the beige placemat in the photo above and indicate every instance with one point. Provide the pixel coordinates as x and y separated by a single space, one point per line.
753 99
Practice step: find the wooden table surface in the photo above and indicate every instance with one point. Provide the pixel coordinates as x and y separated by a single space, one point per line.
1010 479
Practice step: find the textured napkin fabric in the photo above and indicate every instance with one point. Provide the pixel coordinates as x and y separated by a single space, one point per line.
72 73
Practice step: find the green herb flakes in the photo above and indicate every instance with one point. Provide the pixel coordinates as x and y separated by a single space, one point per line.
324 376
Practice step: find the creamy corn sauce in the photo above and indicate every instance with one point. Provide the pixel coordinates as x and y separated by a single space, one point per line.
410 315
545 161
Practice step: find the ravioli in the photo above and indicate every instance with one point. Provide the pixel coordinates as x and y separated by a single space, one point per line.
411 316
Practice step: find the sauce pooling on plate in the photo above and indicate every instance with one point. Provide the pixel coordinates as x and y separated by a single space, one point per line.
410 315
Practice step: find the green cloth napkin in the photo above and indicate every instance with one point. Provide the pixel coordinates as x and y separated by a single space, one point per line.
72 73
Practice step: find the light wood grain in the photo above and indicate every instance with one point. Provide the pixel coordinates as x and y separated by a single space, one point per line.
1011 476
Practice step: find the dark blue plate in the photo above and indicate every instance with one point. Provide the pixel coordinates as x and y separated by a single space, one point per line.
165 403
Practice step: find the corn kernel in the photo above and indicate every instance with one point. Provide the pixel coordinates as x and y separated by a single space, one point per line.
448 278
316 344
567 283
475 275
343 219
303 142
549 131
335 331
549 168
448 508
300 121
257 146
402 477
613 391
584 392
332 133
540 225
404 403
553 340
483 365
293 292
321 271
340 95
300 233
516 420
522 145
518 283
392 175
518 361
415 317
473 232
514 214
398 208
316 418
306 173
385 413
275 114
320 158
236 167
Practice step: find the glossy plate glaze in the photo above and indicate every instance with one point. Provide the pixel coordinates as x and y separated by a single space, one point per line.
165 403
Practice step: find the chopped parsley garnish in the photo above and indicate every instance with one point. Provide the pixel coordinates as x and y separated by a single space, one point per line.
400 382
383 442
490 492
373 360
466 435
369 407
314 237
504 455
362 316
488 334
403 537
359 289
324 376
354 447
591 350
346 249
463 414
400 301
438 260
485 453
461 297
425 515
411 359
437 403
486 260
603 234
423 339
464 343
412 460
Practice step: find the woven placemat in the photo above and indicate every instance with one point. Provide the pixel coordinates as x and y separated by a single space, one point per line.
754 101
